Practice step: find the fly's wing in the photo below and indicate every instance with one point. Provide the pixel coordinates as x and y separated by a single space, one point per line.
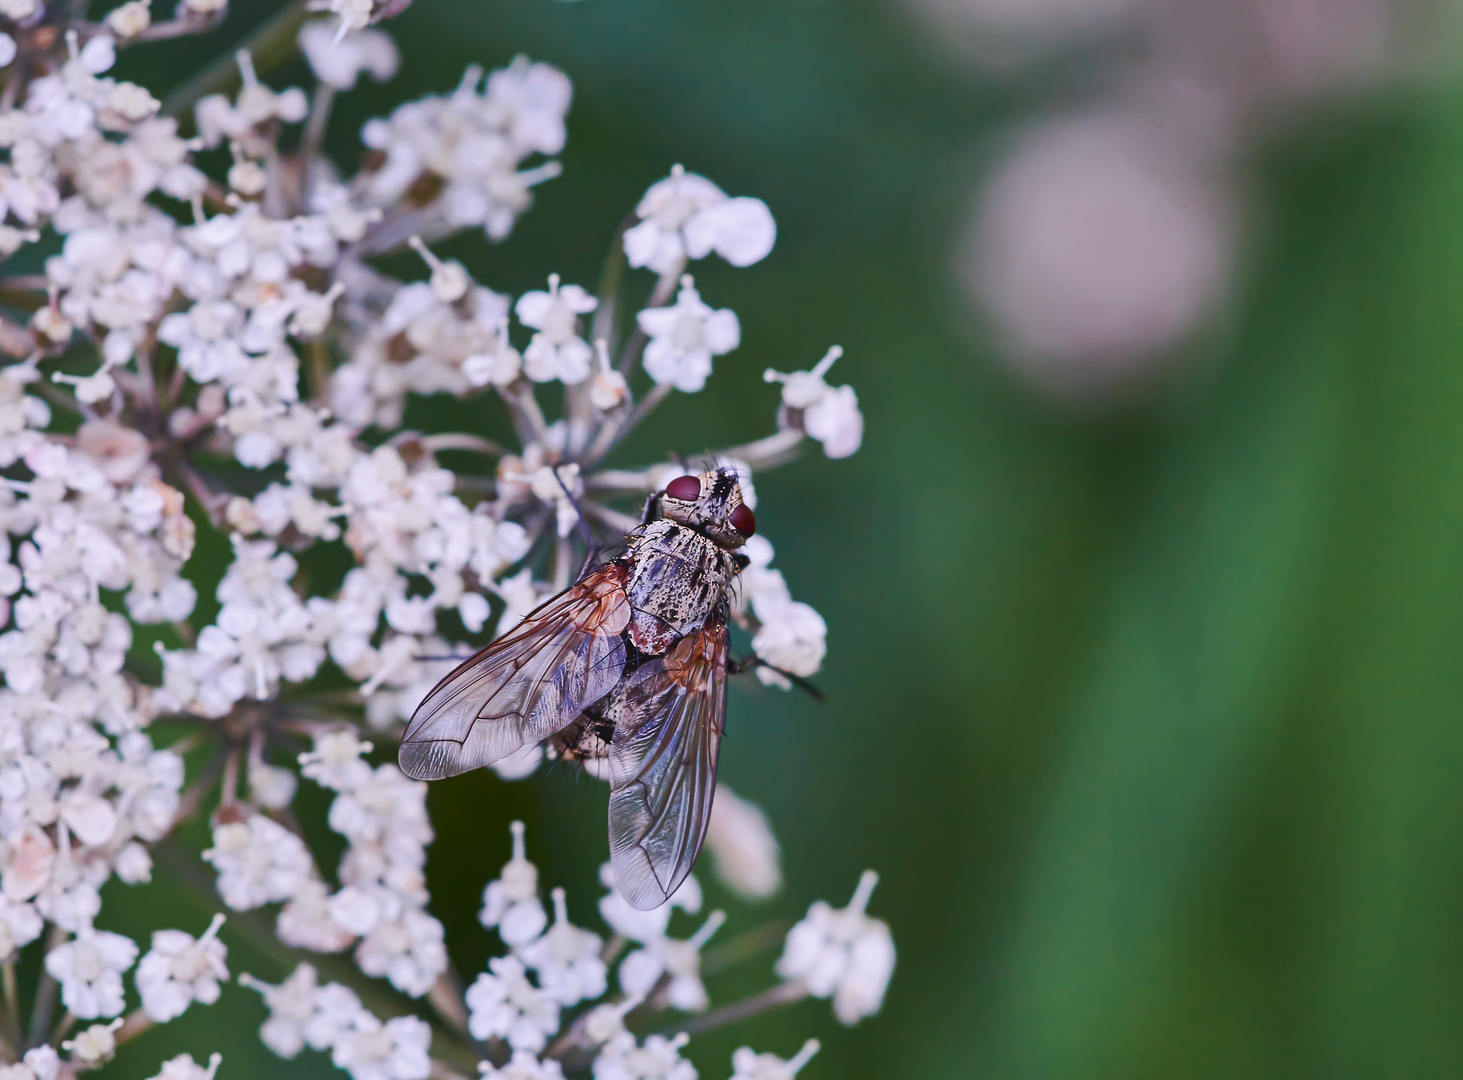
662 767
525 686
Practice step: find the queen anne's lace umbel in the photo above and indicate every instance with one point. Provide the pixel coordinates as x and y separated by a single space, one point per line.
211 354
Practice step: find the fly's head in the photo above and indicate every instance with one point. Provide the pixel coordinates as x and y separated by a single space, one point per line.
711 503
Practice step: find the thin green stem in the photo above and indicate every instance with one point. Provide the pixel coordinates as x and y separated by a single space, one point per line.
270 45
781 994
63 1028
46 991
11 991
743 946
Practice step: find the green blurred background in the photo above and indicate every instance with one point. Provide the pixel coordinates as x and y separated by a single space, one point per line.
1148 717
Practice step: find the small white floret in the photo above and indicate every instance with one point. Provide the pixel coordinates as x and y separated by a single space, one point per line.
180 969
747 1064
842 953
503 1004
556 350
684 337
89 969
687 216
510 902
567 959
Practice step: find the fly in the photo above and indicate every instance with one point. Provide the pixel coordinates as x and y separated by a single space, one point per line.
628 665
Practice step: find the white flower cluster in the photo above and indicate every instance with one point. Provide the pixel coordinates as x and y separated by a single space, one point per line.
842 953
217 349
474 142
178 970
382 899
552 966
331 1018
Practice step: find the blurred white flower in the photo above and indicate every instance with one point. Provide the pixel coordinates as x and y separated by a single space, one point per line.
740 840
120 452
497 365
180 969
658 1058
38 1063
511 902
842 953
407 949
687 216
259 862
395 1050
89 969
292 1005
339 61
523 1065
684 337
94 1045
305 922
219 119
338 1012
183 1067
20 924
130 19
1098 244
747 1064
556 351
272 788
829 414
792 638
503 1004
566 959
678 962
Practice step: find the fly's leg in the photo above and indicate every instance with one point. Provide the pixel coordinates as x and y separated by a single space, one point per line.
736 667
591 549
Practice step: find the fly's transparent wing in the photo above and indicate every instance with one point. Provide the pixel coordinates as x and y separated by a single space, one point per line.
525 686
662 766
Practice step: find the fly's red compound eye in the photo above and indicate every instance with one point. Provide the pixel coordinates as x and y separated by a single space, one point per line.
686 488
744 521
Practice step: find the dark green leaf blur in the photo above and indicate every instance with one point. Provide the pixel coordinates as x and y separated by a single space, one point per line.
1148 717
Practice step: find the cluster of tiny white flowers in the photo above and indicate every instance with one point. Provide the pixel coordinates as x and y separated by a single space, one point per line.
520 1001
381 902
221 352
842 953
331 1018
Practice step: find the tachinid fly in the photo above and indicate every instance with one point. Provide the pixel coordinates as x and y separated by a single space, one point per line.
628 664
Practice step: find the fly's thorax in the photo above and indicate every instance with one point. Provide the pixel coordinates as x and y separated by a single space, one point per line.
678 578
